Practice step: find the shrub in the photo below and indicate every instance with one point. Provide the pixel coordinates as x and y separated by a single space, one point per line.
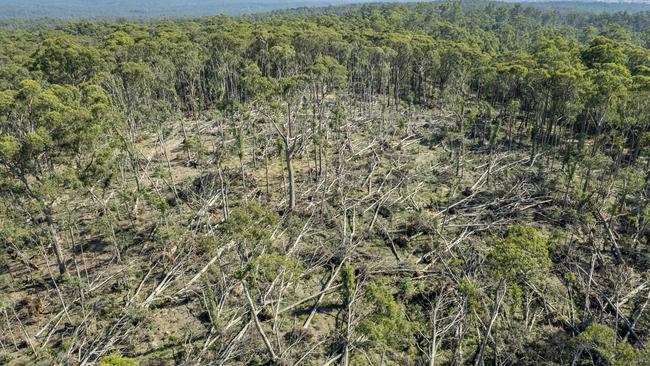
115 359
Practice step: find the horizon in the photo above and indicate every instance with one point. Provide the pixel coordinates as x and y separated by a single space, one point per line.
148 9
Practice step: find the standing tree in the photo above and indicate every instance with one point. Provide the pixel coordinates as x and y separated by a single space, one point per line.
54 141
517 260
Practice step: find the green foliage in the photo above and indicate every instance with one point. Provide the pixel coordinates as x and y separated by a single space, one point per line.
115 359
265 268
348 280
211 302
385 325
255 84
63 60
603 50
407 288
207 244
470 292
603 340
250 224
522 255
9 147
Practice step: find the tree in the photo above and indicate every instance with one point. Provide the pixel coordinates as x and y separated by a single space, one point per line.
63 60
384 324
53 138
602 340
520 258
292 139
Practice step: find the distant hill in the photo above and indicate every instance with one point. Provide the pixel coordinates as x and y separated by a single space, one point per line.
67 9
590 6
145 8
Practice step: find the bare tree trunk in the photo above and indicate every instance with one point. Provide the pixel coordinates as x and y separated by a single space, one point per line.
56 245
290 176
254 312
224 195
478 360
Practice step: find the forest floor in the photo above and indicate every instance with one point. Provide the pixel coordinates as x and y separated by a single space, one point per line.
401 182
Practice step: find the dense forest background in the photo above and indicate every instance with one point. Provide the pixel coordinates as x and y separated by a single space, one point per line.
103 9
386 184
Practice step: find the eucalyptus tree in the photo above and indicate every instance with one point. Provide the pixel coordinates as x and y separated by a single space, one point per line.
54 142
558 82
285 117
517 262
609 78
63 60
326 77
224 52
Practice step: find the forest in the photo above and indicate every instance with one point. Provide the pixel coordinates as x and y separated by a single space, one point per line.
49 11
446 183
